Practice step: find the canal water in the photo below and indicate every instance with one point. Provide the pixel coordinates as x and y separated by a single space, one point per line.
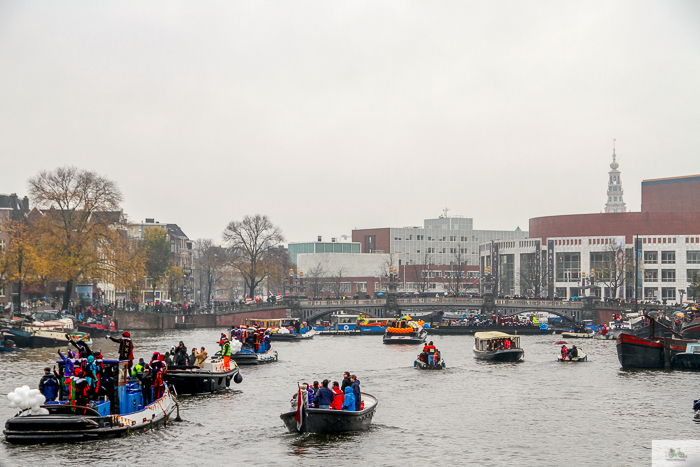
538 412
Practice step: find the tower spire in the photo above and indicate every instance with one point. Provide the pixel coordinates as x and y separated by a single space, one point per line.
615 192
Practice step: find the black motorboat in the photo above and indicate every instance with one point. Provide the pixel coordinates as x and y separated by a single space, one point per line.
329 421
211 378
423 365
497 347
119 411
405 331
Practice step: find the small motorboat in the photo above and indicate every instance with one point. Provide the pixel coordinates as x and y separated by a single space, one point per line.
421 365
213 377
119 411
329 421
497 346
35 337
405 331
580 356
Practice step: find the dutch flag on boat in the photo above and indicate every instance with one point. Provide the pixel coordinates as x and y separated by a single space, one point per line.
302 404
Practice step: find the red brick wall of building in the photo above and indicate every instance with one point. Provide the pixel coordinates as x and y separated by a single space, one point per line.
671 195
613 224
237 318
382 238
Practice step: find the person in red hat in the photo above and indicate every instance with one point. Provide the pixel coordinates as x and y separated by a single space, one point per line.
126 349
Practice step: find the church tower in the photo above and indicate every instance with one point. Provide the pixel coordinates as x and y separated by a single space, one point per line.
615 203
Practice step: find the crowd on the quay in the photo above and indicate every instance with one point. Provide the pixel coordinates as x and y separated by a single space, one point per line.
495 320
339 396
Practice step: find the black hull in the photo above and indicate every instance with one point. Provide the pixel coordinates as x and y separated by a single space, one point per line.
289 337
512 355
188 382
407 339
692 331
470 330
639 353
37 341
330 422
686 361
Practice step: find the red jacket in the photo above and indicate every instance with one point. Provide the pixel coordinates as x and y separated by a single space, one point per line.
338 396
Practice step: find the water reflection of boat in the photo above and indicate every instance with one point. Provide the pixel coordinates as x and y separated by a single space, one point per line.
497 347
405 331
121 412
329 421
212 377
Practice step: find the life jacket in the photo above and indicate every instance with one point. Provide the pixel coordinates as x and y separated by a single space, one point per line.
226 349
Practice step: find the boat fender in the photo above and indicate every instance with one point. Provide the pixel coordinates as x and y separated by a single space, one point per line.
238 378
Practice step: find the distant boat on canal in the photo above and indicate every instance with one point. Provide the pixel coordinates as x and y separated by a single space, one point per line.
497 346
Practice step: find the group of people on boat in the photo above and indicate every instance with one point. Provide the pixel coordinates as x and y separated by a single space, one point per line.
430 354
257 338
500 344
345 396
568 352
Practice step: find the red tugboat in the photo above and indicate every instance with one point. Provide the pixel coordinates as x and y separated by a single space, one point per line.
648 353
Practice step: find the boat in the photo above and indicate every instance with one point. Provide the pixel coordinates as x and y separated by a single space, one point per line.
579 357
6 342
211 378
34 338
287 329
97 329
119 412
651 352
343 323
329 421
250 352
487 346
422 365
689 359
405 331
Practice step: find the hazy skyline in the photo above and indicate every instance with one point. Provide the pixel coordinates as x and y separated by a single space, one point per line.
329 116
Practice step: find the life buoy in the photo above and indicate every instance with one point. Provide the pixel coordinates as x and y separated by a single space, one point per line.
346 327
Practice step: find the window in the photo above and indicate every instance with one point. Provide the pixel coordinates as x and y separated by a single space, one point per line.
431 250
668 257
668 275
2 246
651 275
693 257
361 286
651 257
417 251
692 273
668 293
651 294
444 250
410 237
345 287
568 267
419 237
430 238
453 238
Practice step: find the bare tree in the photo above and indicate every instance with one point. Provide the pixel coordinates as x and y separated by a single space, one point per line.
420 275
455 283
315 279
337 280
209 260
250 241
613 267
79 209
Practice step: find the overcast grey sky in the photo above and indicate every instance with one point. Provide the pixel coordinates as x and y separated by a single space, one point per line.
328 116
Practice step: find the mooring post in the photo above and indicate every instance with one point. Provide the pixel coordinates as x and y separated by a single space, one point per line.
667 353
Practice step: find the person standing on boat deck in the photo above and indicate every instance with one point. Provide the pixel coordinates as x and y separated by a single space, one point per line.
356 392
192 358
126 349
48 385
226 353
563 352
349 400
201 356
338 397
346 381
324 396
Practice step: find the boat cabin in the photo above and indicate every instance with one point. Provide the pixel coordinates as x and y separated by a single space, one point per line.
263 323
495 340
118 393
692 347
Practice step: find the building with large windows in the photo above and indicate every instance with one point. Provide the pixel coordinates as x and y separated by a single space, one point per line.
606 254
